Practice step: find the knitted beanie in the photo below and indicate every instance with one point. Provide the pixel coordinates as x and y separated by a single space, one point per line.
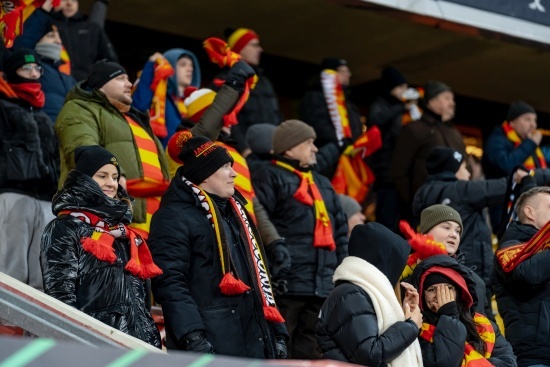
350 206
14 60
197 101
443 159
89 159
102 72
432 89
517 109
436 278
435 214
391 78
240 38
201 158
333 63
291 133
259 137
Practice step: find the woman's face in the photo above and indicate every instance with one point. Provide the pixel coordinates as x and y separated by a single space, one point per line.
107 179
448 233
438 295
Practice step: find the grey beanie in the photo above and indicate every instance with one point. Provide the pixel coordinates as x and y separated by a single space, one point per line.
259 138
350 206
435 214
432 89
291 133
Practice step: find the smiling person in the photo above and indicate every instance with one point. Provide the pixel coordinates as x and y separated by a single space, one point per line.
90 257
98 111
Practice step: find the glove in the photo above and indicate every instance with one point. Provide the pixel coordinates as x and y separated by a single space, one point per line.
279 286
196 342
238 75
279 259
280 347
423 244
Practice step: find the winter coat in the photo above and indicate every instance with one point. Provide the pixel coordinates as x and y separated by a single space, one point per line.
414 144
88 118
30 132
143 94
447 349
312 268
85 42
107 292
523 298
183 244
348 329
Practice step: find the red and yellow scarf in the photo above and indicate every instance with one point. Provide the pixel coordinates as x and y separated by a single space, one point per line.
230 285
100 244
163 70
336 103
529 163
308 194
472 358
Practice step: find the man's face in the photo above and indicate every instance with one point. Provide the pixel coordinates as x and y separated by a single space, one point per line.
398 90
119 89
444 105
221 182
184 72
31 71
540 205
524 124
303 153
68 7
51 37
344 75
448 233
355 219
463 173
252 52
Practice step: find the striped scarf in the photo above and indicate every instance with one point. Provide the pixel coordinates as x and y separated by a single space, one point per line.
230 285
472 358
163 70
100 244
308 194
336 103
152 185
529 163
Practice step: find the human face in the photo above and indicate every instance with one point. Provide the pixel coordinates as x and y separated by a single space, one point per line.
303 153
252 52
107 179
184 72
463 173
398 91
68 7
31 71
448 233
119 89
444 105
51 37
344 75
221 182
524 124
538 209
355 219
431 295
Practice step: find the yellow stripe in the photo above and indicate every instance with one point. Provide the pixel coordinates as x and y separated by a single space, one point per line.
235 36
149 157
139 131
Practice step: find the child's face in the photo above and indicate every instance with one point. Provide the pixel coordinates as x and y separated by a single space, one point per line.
448 233
463 173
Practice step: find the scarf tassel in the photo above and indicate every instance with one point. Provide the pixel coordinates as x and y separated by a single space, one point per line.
231 286
302 194
99 249
272 314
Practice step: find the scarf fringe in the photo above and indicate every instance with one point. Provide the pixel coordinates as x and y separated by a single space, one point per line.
100 250
272 314
231 286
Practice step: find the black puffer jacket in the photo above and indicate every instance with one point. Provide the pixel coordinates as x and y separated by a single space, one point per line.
447 349
105 291
523 298
184 246
312 268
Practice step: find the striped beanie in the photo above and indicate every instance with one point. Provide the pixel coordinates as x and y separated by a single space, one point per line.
197 101
240 38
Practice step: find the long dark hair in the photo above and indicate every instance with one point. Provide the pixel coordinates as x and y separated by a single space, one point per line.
466 317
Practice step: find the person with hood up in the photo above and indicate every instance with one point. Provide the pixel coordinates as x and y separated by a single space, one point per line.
91 259
453 334
362 321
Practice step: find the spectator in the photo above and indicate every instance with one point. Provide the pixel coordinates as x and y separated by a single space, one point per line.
292 193
521 280
98 112
453 334
417 139
361 322
216 299
29 167
90 256
352 210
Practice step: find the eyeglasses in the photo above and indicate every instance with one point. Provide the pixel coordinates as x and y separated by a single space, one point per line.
433 289
29 68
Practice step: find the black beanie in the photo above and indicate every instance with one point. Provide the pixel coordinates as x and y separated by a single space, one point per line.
89 159
443 159
436 278
103 71
201 158
517 109
14 60
391 78
432 89
333 63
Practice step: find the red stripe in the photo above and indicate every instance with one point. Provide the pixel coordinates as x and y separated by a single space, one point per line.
243 41
146 144
152 172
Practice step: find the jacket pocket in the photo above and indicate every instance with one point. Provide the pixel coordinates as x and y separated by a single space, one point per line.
223 329
22 162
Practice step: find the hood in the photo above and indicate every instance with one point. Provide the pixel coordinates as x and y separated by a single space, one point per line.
81 192
381 247
173 55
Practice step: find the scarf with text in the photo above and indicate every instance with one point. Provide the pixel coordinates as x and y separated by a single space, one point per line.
308 194
472 358
529 163
230 285
336 103
30 92
162 71
100 244
512 256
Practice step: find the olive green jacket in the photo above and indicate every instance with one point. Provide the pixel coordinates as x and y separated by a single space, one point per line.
88 118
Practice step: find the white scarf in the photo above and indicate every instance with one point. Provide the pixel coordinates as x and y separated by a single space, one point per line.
388 311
